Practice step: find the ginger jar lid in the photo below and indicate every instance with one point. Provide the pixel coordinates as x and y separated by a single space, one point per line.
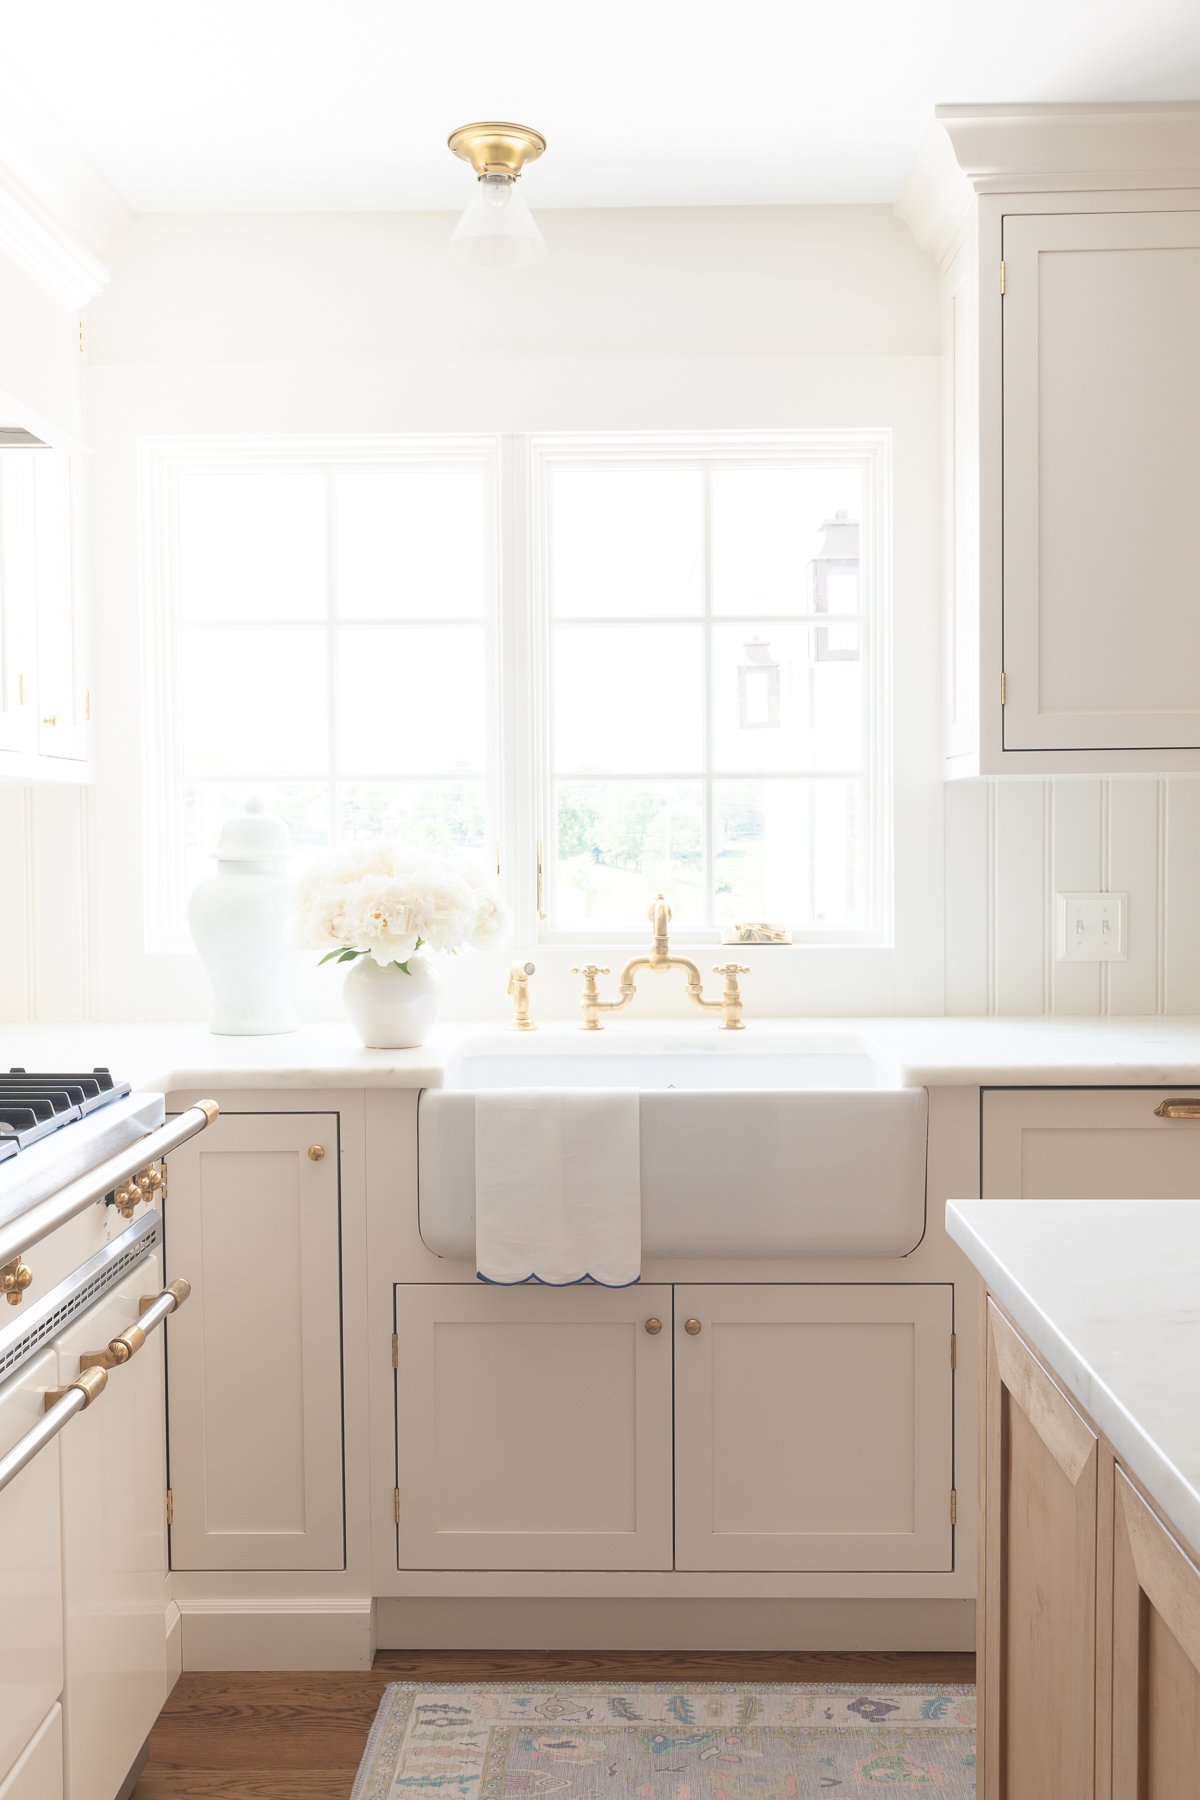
253 836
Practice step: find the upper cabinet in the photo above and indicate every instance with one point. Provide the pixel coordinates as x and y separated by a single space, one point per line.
45 703
1072 364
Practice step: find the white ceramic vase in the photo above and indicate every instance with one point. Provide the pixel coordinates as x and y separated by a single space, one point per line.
389 1009
237 919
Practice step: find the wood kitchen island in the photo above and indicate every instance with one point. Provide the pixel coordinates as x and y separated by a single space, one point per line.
1089 1580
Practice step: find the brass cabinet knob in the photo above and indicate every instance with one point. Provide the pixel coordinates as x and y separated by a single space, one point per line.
50 719
653 1327
693 1327
316 1152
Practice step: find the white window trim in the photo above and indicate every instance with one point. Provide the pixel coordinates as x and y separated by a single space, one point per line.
531 459
517 621
160 462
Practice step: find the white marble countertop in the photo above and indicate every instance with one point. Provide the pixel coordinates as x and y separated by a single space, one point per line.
1108 1291
921 1052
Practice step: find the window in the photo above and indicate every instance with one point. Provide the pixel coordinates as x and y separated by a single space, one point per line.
694 677
329 624
713 623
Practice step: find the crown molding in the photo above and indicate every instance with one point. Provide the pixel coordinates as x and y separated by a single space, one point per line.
971 150
34 240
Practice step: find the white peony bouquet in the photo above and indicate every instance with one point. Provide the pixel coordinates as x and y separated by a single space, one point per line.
375 900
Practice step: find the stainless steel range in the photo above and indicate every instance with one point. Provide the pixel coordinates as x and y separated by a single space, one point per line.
82 1521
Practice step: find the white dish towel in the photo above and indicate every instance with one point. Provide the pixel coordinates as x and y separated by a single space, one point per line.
558 1189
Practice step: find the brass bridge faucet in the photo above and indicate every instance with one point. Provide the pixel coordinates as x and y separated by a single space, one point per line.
659 915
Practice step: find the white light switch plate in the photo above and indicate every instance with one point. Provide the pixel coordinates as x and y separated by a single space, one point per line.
1093 927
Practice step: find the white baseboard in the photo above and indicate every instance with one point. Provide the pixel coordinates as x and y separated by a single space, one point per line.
271 1634
573 1624
174 1624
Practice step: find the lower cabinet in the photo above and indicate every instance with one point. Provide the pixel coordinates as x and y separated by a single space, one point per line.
1089 1627
814 1428
31 1657
114 1548
255 1370
38 1772
754 1427
533 1428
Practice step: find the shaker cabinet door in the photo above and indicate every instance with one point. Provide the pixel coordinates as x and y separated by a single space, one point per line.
1101 379
1038 1581
255 1370
533 1427
1155 1657
814 1428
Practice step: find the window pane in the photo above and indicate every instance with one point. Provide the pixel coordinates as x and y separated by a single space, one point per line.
412 700
769 524
411 543
621 842
302 805
251 544
626 541
421 815
787 697
790 853
629 697
254 702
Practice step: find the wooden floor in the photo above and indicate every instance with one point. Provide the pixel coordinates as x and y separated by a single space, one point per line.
300 1737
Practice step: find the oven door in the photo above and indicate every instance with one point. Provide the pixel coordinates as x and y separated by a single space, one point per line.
114 1547
31 1638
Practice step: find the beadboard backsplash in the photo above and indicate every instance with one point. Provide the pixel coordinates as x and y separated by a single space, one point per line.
1011 846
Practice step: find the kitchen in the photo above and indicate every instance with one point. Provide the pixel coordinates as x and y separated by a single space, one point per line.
852 482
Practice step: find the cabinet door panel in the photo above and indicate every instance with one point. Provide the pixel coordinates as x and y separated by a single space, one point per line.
255 1366
18 598
62 701
813 1428
1101 529
114 1548
533 1428
31 1658
1156 1657
1088 1144
38 1773
1038 1588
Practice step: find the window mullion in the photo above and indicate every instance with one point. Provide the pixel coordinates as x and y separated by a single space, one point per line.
331 658
710 875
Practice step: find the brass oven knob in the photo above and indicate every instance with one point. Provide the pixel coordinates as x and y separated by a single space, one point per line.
316 1152
693 1327
653 1326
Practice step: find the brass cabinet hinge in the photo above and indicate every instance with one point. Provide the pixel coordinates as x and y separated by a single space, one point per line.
1002 278
395 1350
954 1350
81 337
20 690
396 1504
170 1507
1003 688
87 704
954 1506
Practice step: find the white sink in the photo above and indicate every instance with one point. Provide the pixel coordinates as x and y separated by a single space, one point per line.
782 1146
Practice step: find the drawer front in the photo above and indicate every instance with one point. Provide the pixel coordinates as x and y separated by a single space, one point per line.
38 1772
1089 1144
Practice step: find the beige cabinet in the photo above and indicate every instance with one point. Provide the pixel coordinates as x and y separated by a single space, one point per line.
45 701
1089 1143
1101 384
814 1427
1155 1657
533 1428
255 1370
1037 1590
114 1547
38 1771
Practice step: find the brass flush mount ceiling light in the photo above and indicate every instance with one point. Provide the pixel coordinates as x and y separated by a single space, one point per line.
497 231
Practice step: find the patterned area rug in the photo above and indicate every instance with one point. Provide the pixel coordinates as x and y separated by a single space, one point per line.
651 1741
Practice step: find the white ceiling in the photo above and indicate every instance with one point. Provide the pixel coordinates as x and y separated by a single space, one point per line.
346 104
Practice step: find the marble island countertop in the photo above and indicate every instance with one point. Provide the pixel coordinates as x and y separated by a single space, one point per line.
1108 1292
917 1052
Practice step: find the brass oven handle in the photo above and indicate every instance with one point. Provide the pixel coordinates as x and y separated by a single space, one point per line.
60 1405
154 1308
1177 1109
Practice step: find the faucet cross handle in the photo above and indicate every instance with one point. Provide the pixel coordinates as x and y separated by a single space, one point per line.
731 999
589 971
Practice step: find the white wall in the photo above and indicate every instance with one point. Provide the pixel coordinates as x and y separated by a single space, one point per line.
724 318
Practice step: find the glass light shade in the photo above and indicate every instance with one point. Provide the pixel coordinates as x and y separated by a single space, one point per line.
497 231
